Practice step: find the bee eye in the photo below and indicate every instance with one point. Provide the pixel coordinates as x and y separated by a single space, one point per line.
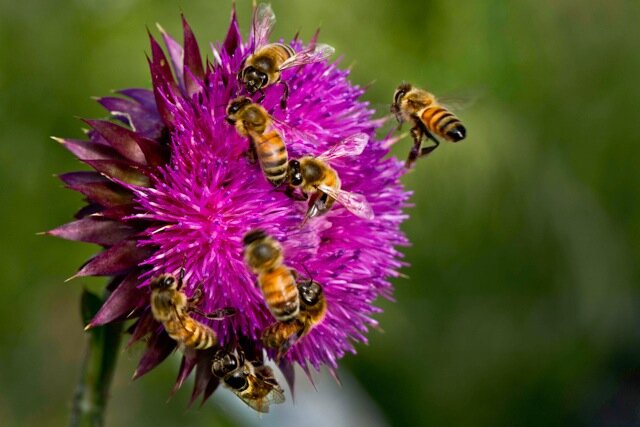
168 281
296 179
237 381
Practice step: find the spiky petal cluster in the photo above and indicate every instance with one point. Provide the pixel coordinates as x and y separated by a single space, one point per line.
172 188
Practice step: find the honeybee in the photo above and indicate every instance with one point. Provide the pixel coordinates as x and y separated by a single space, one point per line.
321 183
171 307
313 307
253 382
264 66
429 117
263 254
252 120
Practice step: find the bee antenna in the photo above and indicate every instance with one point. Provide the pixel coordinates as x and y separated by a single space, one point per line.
309 275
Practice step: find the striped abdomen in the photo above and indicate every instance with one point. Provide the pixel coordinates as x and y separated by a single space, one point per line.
443 123
330 179
272 155
280 292
190 333
166 303
277 51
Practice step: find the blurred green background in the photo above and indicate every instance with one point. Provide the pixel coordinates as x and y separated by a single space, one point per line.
523 304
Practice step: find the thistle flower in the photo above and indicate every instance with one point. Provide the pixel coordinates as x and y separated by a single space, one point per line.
172 188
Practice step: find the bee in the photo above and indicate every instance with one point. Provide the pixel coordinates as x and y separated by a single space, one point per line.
252 120
265 65
171 307
263 254
253 382
318 181
429 118
313 307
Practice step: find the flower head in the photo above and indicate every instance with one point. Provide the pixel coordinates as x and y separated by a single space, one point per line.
172 189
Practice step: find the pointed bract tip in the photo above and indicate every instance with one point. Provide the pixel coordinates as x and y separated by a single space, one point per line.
57 139
159 27
88 327
72 277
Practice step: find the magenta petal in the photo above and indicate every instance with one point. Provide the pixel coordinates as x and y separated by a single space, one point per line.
289 373
162 80
123 140
88 150
90 209
107 194
159 348
117 259
118 212
84 177
144 97
121 170
141 119
155 153
122 302
94 230
160 64
192 60
143 326
186 366
176 55
210 388
203 374
233 38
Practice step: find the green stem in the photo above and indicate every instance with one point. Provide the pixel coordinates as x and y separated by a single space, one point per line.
101 354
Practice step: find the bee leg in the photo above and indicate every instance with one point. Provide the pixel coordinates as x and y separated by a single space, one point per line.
196 297
262 95
427 150
251 154
181 278
417 133
290 192
285 96
314 210
216 314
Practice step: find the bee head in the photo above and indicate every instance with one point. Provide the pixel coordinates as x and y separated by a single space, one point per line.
295 175
310 292
235 105
261 251
164 282
311 169
400 92
254 79
225 362
253 236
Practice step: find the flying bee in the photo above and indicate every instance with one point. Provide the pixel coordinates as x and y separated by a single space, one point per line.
265 65
252 120
263 254
429 118
171 307
253 382
321 183
313 307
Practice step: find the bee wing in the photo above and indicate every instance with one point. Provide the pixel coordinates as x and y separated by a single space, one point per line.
460 100
275 395
290 133
351 146
355 203
263 21
316 53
